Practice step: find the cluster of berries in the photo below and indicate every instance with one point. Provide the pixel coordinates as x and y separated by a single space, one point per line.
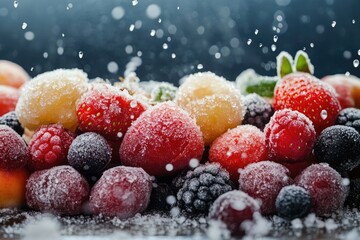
71 146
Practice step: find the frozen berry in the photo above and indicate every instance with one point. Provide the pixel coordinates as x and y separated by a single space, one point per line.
213 102
121 192
12 187
349 117
343 88
353 199
13 150
59 190
339 146
162 197
106 110
233 208
305 93
10 119
290 136
237 148
293 202
89 153
258 111
202 186
263 181
12 74
162 141
325 187
49 147
51 98
8 98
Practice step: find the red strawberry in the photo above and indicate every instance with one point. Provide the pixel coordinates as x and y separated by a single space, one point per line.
310 96
108 111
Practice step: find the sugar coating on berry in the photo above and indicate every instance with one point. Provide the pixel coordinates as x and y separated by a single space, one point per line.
8 98
59 190
233 209
290 136
49 147
89 153
339 146
121 192
263 181
237 148
51 98
108 111
349 117
213 102
202 186
10 119
11 74
162 141
325 187
258 111
13 150
293 202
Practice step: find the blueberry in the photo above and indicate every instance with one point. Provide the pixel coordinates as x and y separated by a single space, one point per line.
293 202
339 146
10 119
349 117
89 153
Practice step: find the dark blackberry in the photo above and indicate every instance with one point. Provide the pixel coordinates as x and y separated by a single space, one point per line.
202 186
258 111
10 119
162 197
89 153
293 202
349 117
339 146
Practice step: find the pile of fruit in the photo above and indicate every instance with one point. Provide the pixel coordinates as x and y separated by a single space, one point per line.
287 145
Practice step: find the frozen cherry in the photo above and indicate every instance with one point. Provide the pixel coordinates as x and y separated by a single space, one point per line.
121 192
263 181
59 190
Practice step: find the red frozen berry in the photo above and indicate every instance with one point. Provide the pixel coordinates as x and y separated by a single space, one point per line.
13 150
290 136
106 110
59 190
49 147
237 148
8 99
263 181
325 186
343 89
121 192
162 141
234 208
310 96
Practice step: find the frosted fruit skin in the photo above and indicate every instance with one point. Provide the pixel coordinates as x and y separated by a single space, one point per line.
59 190
263 181
50 98
13 150
237 148
8 98
162 135
12 188
121 192
233 208
12 74
325 187
213 102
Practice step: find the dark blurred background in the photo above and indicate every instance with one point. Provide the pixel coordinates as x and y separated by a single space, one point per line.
178 37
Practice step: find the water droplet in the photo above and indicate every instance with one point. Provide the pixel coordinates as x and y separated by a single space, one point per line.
345 182
199 66
16 4
81 54
347 74
152 32
31 69
249 41
333 24
112 67
173 55
256 31
217 55
260 45
29 36
193 163
60 50
359 52
159 21
273 47
323 114
275 38
178 7
24 25
63 34
119 134
356 63
169 167
69 6
353 21
132 27
165 46
312 45
45 55
134 2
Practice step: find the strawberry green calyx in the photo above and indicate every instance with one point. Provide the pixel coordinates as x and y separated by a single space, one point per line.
163 92
284 63
302 63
